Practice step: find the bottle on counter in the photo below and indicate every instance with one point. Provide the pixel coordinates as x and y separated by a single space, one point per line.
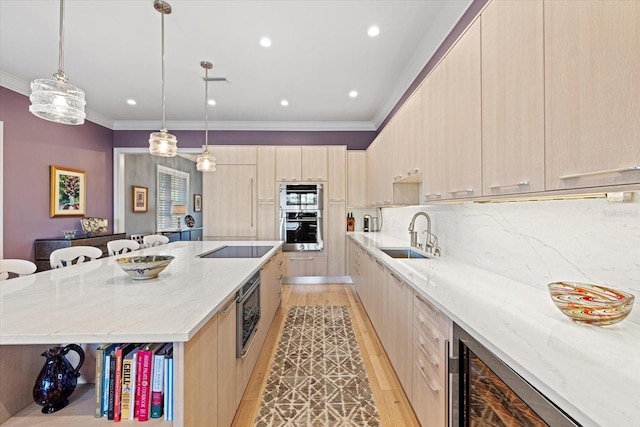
351 222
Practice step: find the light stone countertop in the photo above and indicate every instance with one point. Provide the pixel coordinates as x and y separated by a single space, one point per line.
98 302
592 373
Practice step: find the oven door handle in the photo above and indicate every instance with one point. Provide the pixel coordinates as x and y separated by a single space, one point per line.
249 292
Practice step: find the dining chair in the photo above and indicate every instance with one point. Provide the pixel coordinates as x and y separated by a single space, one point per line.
121 246
155 240
66 256
20 267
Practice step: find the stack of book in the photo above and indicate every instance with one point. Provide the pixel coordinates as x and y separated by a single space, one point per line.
134 381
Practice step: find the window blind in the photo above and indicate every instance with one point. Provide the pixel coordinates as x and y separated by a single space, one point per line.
173 189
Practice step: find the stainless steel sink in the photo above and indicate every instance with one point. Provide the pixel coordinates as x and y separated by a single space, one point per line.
404 253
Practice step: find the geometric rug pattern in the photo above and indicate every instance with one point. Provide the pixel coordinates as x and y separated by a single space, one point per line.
317 378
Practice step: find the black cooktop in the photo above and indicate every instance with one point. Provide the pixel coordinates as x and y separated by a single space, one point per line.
237 252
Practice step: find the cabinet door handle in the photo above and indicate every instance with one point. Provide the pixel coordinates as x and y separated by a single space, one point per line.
454 192
413 171
251 197
516 184
602 172
228 307
432 196
397 177
302 259
430 383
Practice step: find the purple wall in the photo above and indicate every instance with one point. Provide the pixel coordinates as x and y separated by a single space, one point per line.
31 145
354 140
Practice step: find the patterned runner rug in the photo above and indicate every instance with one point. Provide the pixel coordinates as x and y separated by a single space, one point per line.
317 378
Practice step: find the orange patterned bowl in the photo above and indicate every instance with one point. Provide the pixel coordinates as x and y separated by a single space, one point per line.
592 304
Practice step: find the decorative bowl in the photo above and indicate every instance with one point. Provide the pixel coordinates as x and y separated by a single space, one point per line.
592 304
144 266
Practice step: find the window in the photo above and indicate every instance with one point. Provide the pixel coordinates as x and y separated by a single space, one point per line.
173 188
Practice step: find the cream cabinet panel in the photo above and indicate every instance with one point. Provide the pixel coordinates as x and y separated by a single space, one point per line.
592 93
398 320
337 163
463 118
288 163
266 174
234 154
314 163
228 401
433 152
267 221
335 238
306 264
408 135
356 176
512 97
229 206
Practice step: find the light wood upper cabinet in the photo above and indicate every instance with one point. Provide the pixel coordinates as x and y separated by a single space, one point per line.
288 163
433 152
314 163
512 97
409 136
266 174
229 206
462 116
592 93
234 154
337 163
356 175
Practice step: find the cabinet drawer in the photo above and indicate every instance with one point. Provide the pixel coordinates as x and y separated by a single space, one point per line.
431 312
433 336
429 396
306 264
432 356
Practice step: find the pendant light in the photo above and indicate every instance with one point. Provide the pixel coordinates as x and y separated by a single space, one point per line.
56 100
162 143
206 162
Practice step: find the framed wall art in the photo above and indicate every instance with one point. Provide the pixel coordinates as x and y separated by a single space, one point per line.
140 198
197 202
68 192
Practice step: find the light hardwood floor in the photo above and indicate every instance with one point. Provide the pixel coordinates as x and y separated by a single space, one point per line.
391 400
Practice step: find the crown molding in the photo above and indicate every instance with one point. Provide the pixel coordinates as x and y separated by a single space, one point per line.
257 125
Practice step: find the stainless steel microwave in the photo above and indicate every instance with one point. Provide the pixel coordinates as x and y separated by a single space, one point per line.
298 197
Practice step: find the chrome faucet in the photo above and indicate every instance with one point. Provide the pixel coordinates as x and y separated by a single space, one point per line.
431 241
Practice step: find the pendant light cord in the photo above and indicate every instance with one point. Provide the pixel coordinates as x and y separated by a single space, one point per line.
164 129
206 110
60 74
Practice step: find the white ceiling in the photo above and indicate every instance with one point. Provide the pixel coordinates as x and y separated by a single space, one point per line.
320 51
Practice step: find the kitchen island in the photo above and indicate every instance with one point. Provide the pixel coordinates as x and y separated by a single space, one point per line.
590 372
97 302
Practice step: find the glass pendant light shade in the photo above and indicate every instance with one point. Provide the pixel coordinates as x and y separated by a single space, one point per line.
163 144
56 100
206 162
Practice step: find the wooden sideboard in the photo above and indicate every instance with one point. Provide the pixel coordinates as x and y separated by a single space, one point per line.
44 247
193 234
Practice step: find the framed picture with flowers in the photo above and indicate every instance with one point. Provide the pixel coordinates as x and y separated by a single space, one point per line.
68 192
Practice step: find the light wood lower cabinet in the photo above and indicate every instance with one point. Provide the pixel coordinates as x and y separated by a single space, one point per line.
228 401
335 238
398 320
306 264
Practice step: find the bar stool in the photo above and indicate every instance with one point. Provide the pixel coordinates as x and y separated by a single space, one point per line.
20 267
122 246
65 256
155 240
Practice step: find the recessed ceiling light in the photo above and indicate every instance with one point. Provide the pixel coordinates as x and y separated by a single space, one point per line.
131 101
211 102
353 93
265 42
284 102
373 31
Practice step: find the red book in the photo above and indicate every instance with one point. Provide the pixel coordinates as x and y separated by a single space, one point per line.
145 357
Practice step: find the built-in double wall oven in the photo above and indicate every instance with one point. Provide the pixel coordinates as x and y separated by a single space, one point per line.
301 217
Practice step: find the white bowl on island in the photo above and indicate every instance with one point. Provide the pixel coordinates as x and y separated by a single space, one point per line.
144 266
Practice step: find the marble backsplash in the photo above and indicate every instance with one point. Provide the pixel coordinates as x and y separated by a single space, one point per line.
538 242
